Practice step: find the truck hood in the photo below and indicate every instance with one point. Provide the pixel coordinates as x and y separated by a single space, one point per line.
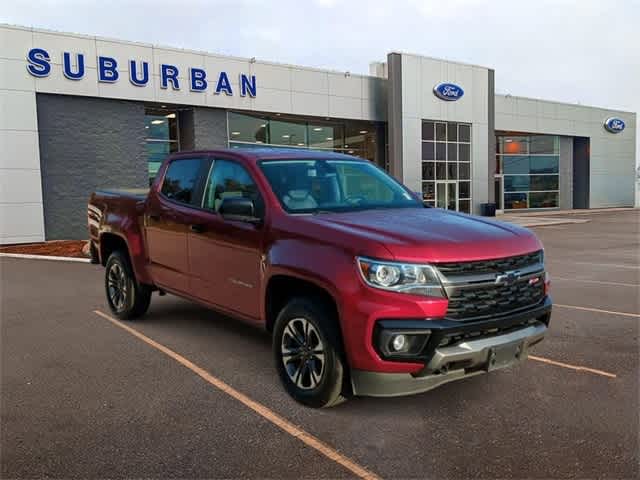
431 234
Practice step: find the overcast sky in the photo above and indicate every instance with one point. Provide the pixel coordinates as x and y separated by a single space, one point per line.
583 51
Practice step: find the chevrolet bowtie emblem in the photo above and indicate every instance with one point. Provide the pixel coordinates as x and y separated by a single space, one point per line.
508 278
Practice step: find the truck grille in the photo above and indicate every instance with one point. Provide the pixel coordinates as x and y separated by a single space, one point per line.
490 266
489 299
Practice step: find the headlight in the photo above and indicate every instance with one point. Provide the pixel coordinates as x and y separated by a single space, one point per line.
401 277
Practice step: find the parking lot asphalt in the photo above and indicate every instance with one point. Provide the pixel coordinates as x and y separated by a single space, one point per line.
81 397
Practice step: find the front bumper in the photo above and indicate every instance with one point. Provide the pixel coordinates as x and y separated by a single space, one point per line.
475 348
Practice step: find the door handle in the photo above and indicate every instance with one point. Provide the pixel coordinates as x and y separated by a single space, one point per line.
197 228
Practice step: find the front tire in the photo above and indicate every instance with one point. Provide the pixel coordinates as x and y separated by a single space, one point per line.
127 298
308 354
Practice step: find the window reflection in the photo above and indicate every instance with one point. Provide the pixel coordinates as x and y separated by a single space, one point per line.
351 137
161 133
530 165
446 158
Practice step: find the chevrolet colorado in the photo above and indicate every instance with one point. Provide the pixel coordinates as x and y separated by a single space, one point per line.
364 290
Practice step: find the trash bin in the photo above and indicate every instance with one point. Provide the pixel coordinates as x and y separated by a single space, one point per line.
488 209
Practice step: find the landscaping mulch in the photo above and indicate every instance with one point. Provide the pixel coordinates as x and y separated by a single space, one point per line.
56 248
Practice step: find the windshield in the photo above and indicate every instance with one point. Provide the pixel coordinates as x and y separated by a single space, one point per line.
311 186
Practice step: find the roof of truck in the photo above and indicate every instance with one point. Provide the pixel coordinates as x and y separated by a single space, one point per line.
278 153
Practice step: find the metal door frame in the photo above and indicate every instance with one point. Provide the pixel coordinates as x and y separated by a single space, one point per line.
499 201
446 193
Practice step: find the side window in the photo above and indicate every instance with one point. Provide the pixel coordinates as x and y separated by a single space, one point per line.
181 180
227 180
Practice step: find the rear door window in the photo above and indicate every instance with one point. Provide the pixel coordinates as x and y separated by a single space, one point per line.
182 180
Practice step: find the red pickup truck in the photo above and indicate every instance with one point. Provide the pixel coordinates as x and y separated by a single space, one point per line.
364 290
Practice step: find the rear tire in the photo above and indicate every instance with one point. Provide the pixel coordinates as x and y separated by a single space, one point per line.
127 298
308 353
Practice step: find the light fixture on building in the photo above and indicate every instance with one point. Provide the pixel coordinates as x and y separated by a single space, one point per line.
346 146
317 129
301 144
170 115
163 106
347 74
157 122
363 131
329 138
263 125
252 60
235 133
286 136
350 151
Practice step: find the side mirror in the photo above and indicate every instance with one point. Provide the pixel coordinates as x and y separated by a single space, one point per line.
239 208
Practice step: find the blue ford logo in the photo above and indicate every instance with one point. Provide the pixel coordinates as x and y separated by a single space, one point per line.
614 125
448 92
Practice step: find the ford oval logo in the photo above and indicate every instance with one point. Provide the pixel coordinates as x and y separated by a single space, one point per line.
614 125
448 92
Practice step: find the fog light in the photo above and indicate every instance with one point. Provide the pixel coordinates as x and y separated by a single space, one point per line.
399 343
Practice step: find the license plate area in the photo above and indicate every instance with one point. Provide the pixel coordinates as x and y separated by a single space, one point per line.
503 356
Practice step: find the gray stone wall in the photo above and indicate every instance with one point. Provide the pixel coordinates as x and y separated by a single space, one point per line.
85 144
210 128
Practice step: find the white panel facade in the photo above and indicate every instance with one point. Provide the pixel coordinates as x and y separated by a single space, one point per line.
612 155
21 215
419 76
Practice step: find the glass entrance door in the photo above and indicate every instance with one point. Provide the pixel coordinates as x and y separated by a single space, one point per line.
447 195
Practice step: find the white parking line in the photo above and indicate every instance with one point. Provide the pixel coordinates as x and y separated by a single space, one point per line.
597 310
573 367
263 411
600 282
593 264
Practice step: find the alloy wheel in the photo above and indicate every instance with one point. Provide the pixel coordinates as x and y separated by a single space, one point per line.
302 353
117 286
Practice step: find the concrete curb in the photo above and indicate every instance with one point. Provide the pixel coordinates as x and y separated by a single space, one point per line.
45 257
533 223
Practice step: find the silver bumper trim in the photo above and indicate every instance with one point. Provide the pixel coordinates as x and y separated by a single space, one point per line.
466 359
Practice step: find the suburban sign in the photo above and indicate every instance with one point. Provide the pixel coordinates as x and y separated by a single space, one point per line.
614 125
108 71
448 91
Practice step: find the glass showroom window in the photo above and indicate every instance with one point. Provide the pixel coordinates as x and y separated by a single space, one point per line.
255 130
530 168
446 165
161 132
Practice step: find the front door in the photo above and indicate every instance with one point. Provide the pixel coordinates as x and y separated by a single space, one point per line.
225 255
167 220
447 195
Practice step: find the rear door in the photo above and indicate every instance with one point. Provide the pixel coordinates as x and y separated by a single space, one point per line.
225 255
168 218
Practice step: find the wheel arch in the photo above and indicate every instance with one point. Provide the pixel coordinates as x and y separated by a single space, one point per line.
282 287
109 243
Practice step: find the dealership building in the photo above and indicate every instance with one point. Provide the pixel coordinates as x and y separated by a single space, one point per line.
80 113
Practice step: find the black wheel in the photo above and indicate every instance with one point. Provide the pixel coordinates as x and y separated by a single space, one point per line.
127 298
308 353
